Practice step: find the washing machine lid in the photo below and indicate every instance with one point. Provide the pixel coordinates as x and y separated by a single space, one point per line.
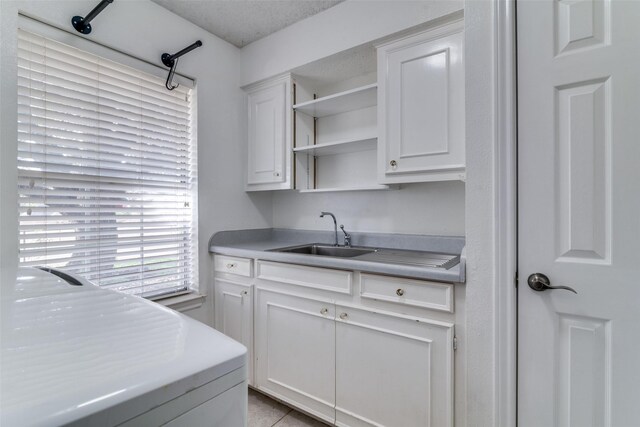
71 351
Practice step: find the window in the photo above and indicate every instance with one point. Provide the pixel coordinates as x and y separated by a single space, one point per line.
107 170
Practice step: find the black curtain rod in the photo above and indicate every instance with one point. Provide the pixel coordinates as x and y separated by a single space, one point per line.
171 61
168 59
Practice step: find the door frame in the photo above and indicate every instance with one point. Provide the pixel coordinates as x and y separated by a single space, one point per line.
507 209
491 212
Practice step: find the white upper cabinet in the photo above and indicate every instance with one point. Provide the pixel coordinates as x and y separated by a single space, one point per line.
421 107
269 148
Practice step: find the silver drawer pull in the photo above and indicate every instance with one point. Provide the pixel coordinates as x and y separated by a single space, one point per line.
245 292
324 311
400 292
343 316
231 265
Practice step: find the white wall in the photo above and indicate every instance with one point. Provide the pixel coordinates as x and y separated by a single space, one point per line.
490 212
145 30
429 208
480 99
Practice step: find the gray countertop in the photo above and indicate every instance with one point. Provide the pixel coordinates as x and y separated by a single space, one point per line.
259 243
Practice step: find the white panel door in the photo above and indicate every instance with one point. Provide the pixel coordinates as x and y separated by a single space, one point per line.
392 370
269 136
421 106
234 315
295 351
579 212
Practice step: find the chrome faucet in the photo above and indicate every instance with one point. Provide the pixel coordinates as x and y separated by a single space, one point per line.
335 224
347 237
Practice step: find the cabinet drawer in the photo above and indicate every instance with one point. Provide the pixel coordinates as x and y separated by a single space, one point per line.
233 265
301 275
418 293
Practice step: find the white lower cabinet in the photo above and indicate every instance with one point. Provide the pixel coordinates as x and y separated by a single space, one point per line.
234 315
295 351
392 370
337 345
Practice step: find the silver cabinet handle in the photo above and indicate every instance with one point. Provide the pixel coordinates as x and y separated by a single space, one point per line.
324 311
393 164
231 265
245 292
539 283
400 292
343 316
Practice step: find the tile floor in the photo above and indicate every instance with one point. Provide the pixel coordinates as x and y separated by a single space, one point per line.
266 412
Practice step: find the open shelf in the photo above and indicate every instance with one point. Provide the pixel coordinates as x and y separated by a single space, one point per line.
362 188
338 147
354 99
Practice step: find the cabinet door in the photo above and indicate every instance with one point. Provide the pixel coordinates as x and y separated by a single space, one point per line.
295 351
421 107
392 370
269 137
234 315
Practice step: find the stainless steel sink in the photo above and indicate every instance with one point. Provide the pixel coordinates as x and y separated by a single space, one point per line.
326 250
378 255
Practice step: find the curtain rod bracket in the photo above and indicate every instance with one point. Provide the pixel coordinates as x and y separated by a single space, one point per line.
171 61
82 25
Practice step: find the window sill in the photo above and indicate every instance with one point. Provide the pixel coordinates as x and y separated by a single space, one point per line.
183 302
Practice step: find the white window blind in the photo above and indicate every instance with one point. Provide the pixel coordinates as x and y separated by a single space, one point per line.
107 170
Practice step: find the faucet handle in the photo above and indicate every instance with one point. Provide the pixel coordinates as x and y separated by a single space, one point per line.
347 236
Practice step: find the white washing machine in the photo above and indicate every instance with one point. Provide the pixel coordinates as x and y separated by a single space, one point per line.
75 354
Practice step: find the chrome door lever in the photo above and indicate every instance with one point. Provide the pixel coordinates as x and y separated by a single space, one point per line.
539 282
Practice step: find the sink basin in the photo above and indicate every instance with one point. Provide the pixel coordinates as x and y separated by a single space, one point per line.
326 250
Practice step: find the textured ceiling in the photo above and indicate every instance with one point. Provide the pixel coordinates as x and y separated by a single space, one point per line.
241 22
